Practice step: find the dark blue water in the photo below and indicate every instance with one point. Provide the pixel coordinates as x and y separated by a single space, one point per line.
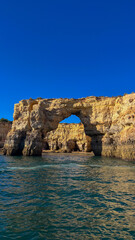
67 197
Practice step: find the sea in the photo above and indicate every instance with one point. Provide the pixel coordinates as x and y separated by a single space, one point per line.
67 196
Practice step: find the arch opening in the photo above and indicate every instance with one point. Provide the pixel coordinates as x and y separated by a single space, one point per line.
68 137
71 119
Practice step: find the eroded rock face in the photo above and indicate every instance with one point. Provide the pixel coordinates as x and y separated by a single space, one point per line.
109 121
4 129
68 138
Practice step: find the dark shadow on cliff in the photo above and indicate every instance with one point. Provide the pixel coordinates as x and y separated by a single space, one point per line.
96 144
96 139
91 131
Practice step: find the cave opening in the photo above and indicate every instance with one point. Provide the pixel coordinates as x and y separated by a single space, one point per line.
46 145
68 137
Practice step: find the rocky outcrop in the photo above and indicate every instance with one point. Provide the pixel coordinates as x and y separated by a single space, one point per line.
5 126
109 121
67 138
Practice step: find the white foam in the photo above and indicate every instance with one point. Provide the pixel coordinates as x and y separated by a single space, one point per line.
66 165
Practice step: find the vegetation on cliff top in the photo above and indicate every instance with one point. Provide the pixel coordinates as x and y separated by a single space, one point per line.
3 120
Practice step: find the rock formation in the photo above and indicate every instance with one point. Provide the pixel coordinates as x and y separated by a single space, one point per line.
67 138
5 126
109 121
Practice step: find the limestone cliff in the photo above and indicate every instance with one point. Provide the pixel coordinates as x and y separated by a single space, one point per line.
4 129
109 121
68 138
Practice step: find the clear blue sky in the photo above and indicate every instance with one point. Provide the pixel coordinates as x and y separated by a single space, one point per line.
53 49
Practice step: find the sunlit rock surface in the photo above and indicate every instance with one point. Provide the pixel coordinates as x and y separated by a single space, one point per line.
68 138
109 121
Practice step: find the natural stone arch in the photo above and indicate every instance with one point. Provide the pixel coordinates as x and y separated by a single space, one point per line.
68 137
110 122
33 119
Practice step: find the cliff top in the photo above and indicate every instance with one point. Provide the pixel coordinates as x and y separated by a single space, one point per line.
4 120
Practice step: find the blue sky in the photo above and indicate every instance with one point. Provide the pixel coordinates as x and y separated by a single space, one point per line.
53 49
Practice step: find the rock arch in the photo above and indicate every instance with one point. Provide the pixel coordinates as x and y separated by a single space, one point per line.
110 122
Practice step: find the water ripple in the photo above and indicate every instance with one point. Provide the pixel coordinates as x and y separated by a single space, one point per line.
67 197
